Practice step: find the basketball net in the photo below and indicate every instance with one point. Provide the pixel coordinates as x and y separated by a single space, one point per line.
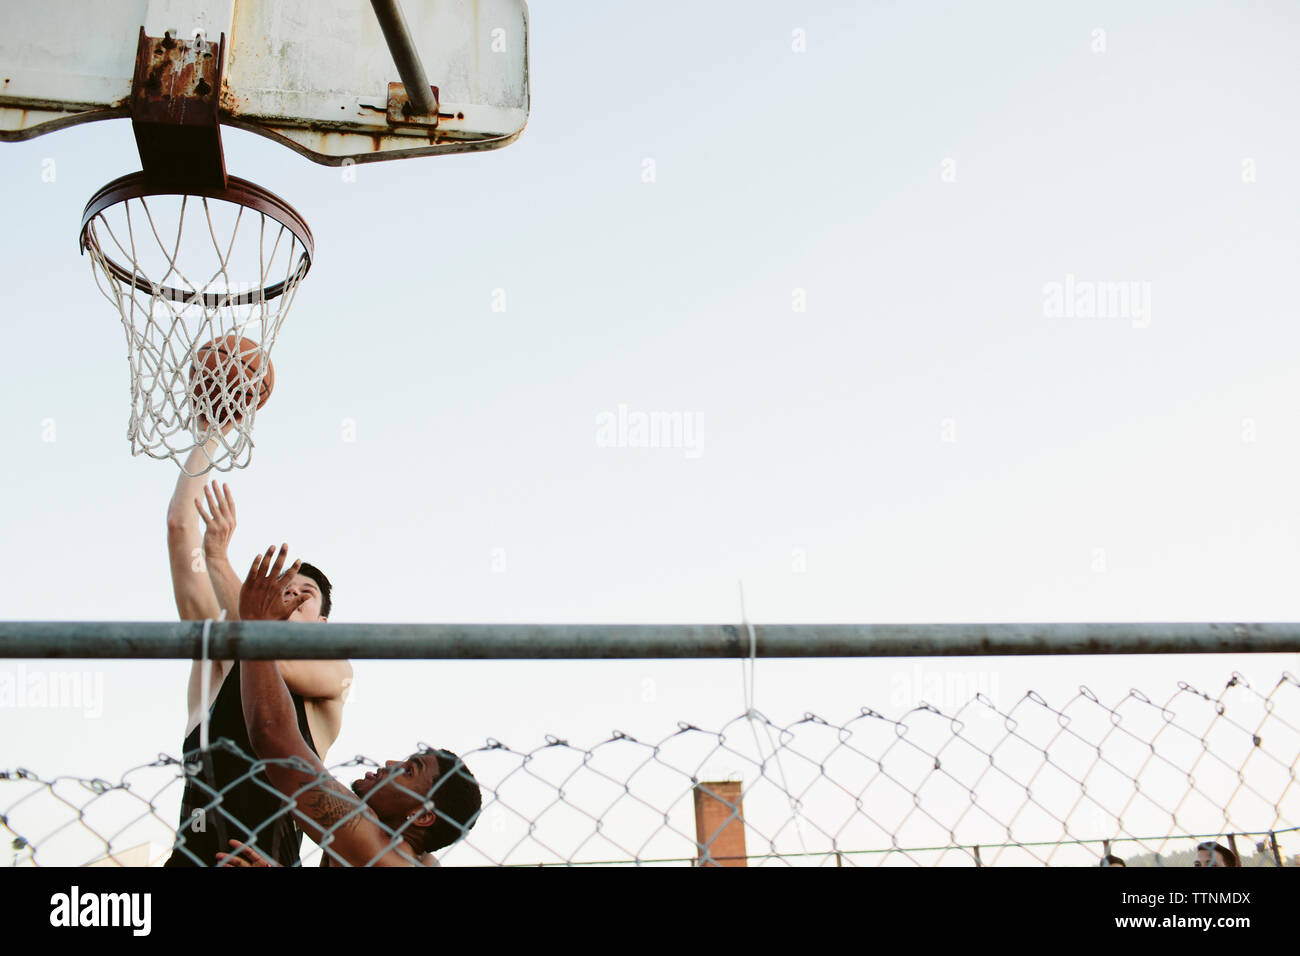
192 276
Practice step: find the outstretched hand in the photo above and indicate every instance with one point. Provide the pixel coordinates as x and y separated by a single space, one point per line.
244 856
262 596
218 520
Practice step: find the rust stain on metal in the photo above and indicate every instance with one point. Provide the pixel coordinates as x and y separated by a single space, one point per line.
401 113
174 80
231 103
174 111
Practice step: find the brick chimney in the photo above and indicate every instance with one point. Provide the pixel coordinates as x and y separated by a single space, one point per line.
719 824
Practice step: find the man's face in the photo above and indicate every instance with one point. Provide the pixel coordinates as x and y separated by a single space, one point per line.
1204 858
400 787
310 610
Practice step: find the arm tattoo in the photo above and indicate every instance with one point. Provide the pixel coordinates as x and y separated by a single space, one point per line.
329 803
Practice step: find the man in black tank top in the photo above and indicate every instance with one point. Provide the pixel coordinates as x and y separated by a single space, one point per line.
205 585
391 818
251 810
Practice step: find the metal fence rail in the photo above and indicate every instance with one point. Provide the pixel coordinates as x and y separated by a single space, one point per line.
265 640
1039 782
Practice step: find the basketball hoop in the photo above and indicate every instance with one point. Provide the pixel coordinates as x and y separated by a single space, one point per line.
198 341
201 267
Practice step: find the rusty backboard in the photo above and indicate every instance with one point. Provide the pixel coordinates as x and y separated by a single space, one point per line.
314 75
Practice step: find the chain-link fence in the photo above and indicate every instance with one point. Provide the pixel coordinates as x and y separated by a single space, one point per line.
1060 783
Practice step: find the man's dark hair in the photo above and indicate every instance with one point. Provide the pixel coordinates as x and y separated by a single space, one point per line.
1229 858
1112 860
322 582
456 799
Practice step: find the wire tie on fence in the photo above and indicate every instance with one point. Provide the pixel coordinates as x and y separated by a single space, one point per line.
747 667
748 671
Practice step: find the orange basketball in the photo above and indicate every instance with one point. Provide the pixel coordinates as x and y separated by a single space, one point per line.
236 361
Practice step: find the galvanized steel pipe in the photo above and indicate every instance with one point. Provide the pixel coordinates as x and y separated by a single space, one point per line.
265 639
405 55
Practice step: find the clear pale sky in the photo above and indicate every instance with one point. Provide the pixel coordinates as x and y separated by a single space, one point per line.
922 442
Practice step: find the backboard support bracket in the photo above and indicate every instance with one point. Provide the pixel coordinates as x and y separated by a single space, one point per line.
401 112
406 58
175 97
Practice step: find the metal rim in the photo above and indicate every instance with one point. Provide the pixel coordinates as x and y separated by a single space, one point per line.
238 191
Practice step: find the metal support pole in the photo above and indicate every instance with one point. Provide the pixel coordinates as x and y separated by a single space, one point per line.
230 640
405 56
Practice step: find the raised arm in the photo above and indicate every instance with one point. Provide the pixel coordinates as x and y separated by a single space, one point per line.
195 599
333 815
218 527
324 683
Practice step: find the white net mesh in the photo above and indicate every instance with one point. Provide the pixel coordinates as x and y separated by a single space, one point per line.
202 286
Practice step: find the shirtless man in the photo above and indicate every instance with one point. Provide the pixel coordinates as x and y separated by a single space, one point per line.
204 584
394 818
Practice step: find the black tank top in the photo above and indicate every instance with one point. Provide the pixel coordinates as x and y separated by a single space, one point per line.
251 809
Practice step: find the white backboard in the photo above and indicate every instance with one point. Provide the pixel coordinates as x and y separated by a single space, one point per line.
311 74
